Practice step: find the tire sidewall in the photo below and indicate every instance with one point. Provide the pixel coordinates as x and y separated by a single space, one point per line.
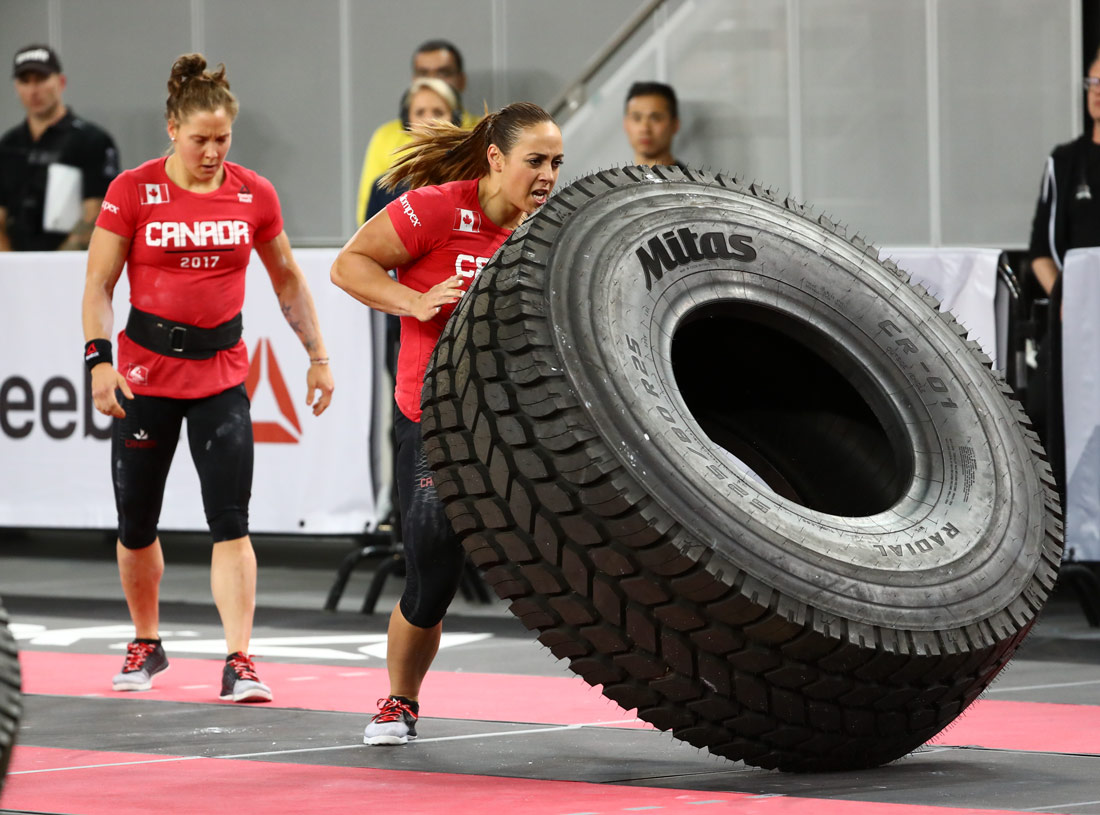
974 500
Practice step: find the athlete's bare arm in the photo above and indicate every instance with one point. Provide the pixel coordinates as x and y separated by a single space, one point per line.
106 257
360 270
1046 272
5 241
81 235
296 303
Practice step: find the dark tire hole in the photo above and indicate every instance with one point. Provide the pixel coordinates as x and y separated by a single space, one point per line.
796 408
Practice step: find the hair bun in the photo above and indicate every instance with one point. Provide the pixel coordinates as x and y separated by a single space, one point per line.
185 67
192 87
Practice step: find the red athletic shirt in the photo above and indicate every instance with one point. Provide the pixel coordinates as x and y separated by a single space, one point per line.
445 231
187 261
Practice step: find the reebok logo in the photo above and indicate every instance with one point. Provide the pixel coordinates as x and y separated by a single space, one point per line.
244 195
684 246
284 428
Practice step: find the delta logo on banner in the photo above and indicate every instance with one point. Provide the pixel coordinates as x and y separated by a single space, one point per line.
154 193
466 220
273 398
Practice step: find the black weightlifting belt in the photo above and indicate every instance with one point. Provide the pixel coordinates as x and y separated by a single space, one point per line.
181 340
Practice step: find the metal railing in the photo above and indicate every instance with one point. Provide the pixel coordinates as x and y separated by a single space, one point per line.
575 93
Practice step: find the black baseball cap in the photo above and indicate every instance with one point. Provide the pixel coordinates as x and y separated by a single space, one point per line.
38 58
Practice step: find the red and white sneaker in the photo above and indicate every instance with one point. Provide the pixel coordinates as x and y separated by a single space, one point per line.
144 660
394 723
240 682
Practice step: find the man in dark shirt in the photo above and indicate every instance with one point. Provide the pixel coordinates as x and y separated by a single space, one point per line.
54 166
651 119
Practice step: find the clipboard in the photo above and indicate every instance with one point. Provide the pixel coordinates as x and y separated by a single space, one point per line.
64 196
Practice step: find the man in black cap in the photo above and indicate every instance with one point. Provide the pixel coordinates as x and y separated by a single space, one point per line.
54 166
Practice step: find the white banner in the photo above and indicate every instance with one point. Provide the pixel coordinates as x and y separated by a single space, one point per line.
965 283
1081 397
312 474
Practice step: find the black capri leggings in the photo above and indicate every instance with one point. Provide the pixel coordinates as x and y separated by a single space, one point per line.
433 553
219 431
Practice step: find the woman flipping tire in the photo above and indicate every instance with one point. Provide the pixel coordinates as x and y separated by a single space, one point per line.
738 472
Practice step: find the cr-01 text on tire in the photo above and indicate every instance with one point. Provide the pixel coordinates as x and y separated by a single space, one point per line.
738 472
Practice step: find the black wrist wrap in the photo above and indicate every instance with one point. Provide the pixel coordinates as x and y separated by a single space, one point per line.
97 351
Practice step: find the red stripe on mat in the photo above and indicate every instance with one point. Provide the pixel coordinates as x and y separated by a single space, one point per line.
445 695
212 785
994 724
1035 727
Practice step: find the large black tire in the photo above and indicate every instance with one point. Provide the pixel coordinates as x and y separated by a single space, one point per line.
11 704
590 412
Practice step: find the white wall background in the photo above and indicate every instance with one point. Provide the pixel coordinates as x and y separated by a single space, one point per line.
916 122
314 78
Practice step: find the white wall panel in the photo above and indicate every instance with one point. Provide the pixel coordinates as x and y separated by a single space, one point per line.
833 99
1008 87
314 79
728 63
864 116
117 55
288 85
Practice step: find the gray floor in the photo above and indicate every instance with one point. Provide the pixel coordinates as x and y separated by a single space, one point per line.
65 580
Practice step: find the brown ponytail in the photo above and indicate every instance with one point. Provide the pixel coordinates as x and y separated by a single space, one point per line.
192 88
441 152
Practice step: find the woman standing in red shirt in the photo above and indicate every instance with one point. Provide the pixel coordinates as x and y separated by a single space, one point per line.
469 190
185 227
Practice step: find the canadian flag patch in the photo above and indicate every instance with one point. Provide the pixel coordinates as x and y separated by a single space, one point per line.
154 193
466 220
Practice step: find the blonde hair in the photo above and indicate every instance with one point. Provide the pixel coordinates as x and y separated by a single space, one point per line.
192 88
441 152
437 86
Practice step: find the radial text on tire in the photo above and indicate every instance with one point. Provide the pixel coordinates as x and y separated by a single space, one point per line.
739 472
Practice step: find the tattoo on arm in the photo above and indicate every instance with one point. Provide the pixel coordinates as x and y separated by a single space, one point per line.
296 323
288 314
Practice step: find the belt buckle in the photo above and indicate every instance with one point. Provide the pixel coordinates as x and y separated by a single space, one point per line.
174 343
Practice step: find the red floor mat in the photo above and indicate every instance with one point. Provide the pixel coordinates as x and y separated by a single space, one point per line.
446 695
995 724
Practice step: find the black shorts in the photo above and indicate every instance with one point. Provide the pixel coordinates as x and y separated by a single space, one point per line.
219 432
434 556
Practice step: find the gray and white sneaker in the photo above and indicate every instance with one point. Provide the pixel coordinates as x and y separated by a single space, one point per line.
394 723
144 660
239 681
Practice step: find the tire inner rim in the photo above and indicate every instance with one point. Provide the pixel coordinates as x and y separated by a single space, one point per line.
793 407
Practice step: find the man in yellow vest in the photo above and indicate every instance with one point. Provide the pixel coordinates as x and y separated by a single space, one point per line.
434 58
